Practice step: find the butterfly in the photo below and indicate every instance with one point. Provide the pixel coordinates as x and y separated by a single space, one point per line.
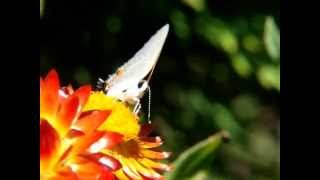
128 83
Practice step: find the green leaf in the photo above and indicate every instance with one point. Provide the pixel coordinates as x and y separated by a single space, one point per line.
192 159
196 5
180 24
241 65
272 39
218 33
269 76
252 43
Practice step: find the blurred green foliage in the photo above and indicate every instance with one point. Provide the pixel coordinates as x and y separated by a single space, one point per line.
41 7
195 157
219 69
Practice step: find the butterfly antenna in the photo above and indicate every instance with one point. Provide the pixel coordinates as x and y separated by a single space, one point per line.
149 104
150 74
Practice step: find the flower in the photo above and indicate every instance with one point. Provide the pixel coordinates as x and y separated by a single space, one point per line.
88 135
67 133
136 153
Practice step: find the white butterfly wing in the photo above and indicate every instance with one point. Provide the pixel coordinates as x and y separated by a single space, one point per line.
140 64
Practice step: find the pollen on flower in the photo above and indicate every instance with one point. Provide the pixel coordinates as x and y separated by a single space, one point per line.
121 120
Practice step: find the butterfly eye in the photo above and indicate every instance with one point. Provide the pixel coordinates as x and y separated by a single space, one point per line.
140 84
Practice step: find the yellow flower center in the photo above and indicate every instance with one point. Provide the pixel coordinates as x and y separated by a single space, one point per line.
121 120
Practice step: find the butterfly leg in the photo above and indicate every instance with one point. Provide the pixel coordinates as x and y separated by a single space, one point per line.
137 107
100 84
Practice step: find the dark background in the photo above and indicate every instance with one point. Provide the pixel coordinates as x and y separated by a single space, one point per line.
214 72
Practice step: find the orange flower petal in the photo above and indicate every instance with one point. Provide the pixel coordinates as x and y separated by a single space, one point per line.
154 155
149 173
150 142
131 172
149 145
65 154
121 175
156 165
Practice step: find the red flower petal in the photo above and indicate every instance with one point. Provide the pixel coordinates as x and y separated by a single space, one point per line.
83 94
41 87
68 90
107 141
113 139
49 141
85 141
66 174
89 168
97 175
65 92
91 120
73 133
52 79
105 160
145 129
49 96
67 112
106 175
154 178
